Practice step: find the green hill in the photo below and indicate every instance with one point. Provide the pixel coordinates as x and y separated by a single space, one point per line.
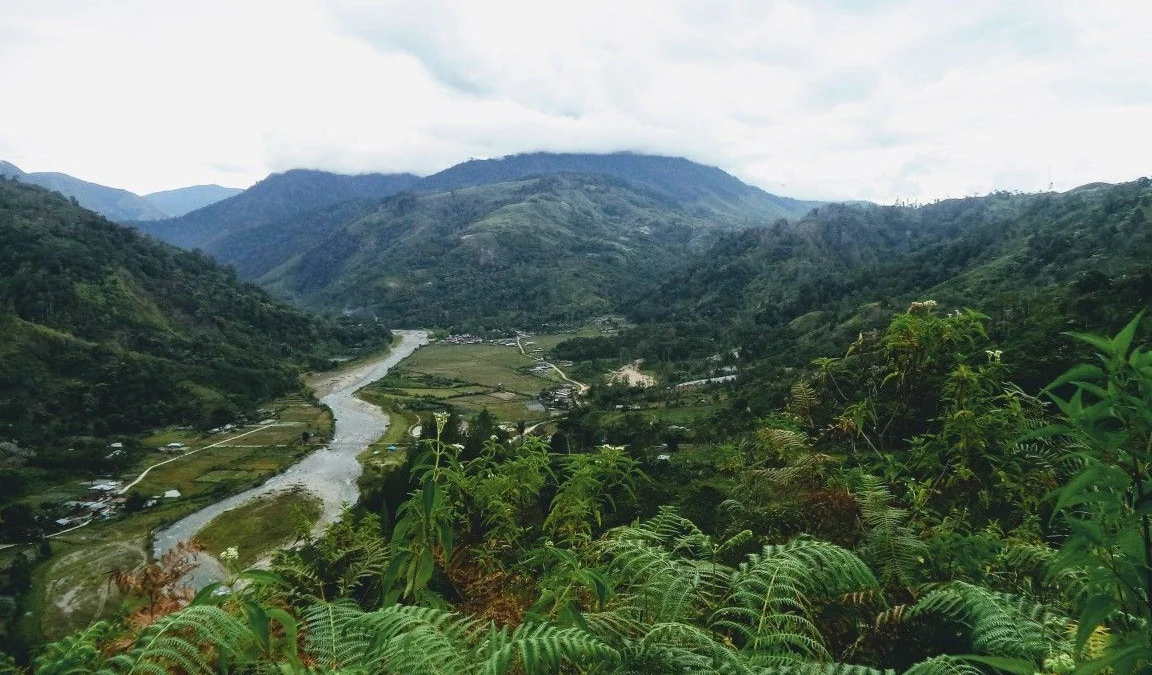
275 199
1038 264
707 190
518 241
103 331
551 249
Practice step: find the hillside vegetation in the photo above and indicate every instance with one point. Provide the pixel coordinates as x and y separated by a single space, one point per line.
523 240
112 203
705 190
108 332
553 249
783 294
272 200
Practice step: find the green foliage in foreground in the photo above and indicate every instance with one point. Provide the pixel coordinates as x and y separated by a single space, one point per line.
940 567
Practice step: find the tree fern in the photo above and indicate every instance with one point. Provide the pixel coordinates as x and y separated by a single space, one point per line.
332 635
1000 624
890 544
185 640
773 593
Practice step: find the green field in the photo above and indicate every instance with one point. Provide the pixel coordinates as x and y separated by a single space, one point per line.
493 366
262 525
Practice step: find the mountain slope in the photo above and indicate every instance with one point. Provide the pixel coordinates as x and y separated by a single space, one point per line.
274 199
554 248
694 185
112 203
187 199
103 331
1038 264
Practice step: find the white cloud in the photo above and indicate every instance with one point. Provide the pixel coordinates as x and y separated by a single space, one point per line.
909 99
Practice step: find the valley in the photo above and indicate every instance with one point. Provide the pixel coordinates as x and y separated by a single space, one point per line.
640 397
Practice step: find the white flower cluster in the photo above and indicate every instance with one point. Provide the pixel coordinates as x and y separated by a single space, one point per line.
441 419
994 354
229 554
925 307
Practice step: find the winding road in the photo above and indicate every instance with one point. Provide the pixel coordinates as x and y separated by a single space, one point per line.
329 473
581 388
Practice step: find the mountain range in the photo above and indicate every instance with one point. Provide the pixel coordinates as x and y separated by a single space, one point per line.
121 205
515 241
682 249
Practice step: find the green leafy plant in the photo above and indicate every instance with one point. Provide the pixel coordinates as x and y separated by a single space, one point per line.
1108 505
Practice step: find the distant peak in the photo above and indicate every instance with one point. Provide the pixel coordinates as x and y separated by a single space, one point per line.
10 169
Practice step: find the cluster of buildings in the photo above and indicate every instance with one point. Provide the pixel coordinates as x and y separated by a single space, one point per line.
464 339
561 396
102 500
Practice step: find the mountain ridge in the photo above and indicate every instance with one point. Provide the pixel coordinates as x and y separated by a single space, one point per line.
118 204
180 201
275 198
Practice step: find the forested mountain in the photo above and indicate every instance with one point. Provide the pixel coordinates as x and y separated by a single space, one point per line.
480 243
104 331
277 198
706 189
112 203
186 199
1038 263
556 248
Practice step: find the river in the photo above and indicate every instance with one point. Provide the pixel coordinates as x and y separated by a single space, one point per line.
329 473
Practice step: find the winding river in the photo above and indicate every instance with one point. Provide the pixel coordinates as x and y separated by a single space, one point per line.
329 473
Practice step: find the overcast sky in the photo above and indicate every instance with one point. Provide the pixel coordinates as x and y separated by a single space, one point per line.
836 99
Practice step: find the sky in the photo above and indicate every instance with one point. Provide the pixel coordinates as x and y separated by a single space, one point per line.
910 100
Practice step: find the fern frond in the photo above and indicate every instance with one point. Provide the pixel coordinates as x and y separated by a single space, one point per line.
783 443
540 648
890 544
943 665
1001 624
773 591
188 640
332 635
410 639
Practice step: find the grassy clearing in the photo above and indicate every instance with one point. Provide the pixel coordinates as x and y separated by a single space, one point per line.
505 411
224 475
549 342
492 366
378 461
682 415
262 525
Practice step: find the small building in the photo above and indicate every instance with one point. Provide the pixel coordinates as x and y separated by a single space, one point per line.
171 494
